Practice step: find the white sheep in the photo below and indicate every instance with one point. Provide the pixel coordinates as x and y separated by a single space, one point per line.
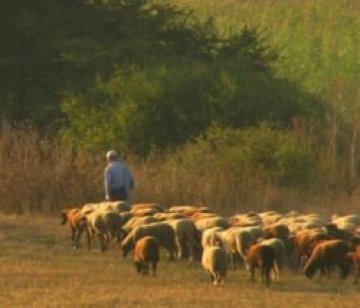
214 261
210 222
105 224
186 236
281 257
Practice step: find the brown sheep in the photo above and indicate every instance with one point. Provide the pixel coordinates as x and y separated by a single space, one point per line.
327 254
262 256
146 253
77 223
303 243
337 233
161 231
276 231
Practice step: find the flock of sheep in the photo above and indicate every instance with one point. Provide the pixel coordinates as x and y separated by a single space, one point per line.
269 240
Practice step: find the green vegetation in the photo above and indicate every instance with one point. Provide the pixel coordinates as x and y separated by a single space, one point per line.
264 92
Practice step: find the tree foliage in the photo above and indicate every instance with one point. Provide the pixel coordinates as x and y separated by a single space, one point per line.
136 74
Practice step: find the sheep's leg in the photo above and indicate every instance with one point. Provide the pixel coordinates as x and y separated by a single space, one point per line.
89 236
233 259
102 242
230 258
190 247
343 271
276 270
262 273
357 276
78 236
138 266
252 270
238 259
179 248
146 268
72 234
222 278
297 263
171 255
154 268
215 279
211 278
267 271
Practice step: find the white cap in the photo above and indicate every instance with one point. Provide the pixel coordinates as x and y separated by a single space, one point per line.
111 154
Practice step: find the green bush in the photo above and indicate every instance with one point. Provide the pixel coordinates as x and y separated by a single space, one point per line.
274 156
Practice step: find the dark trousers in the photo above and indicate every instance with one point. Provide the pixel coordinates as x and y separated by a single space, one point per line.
118 194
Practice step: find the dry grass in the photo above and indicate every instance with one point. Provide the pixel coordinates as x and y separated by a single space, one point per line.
41 175
39 269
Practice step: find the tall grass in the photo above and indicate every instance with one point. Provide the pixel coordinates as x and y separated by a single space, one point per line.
39 174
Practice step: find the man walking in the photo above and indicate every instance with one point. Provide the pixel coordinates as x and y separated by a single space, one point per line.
118 179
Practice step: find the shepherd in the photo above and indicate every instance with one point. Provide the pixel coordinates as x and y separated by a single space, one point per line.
118 179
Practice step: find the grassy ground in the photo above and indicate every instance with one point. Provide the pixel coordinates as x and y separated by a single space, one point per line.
38 268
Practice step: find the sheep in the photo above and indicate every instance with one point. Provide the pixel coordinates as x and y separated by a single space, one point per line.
236 242
209 237
77 223
279 248
327 254
168 215
146 252
270 217
115 206
199 215
303 242
214 261
106 224
161 231
149 205
243 220
186 236
353 258
262 256
137 221
350 219
206 223
333 231
144 212
182 208
87 208
276 231
255 231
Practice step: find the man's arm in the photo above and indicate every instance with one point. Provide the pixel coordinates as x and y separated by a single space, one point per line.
107 181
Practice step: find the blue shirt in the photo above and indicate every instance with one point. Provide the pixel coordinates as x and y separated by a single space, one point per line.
117 175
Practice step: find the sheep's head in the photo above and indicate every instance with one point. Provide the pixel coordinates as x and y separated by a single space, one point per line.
64 217
127 245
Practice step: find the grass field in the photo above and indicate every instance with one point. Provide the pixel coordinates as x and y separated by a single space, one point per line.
38 268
